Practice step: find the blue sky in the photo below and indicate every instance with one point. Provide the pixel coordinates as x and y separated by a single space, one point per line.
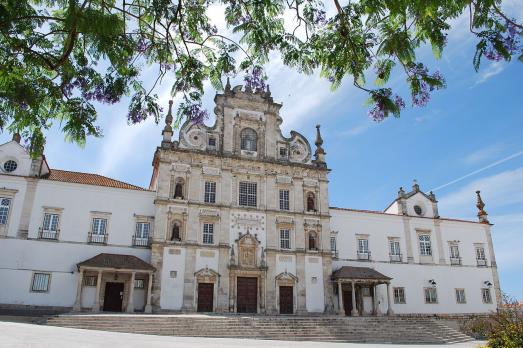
472 131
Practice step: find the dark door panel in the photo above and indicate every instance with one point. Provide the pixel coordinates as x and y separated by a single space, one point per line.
286 300
247 295
113 297
205 297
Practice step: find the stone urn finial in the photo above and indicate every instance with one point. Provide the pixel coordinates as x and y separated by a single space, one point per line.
482 214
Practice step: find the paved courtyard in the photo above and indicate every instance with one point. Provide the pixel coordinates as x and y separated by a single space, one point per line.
18 335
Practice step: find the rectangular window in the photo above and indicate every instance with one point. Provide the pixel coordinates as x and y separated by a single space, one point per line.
139 284
285 239
460 296
363 246
485 294
395 248
284 199
50 223
454 252
431 295
208 234
142 230
99 226
399 295
333 244
212 141
5 203
424 245
210 192
248 194
480 256
283 152
90 280
40 282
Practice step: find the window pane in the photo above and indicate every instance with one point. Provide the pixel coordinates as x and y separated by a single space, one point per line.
284 199
4 210
210 192
247 194
208 234
99 226
394 248
285 240
40 282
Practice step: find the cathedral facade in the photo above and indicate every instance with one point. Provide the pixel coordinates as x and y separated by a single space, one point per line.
236 220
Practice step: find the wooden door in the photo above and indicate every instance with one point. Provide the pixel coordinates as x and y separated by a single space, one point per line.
247 295
347 302
205 297
286 300
113 297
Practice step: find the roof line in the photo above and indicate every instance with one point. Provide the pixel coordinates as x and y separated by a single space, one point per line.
388 214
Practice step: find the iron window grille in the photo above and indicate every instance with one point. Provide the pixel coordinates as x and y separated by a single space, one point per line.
248 194
285 239
210 192
208 234
399 295
284 199
40 282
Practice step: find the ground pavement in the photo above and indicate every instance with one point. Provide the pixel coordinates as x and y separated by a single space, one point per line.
21 335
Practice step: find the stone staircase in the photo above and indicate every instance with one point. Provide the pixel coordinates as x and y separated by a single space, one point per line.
399 330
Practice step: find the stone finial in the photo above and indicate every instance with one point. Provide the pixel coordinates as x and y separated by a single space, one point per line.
432 196
168 129
482 214
17 137
415 186
401 192
232 259
320 153
228 85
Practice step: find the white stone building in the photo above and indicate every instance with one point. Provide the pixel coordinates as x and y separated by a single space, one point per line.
236 219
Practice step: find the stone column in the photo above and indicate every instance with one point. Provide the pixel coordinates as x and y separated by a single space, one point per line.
130 299
389 309
354 311
78 302
96 305
148 307
340 299
374 301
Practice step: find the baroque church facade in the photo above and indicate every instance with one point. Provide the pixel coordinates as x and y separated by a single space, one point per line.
236 220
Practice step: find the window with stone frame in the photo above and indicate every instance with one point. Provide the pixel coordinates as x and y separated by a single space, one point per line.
311 202
139 283
248 139
486 296
481 258
99 226
50 223
90 280
142 230
394 248
425 246
333 244
208 233
363 246
210 192
283 152
284 199
313 241
176 231
285 239
5 205
247 194
460 296
431 295
40 282
399 295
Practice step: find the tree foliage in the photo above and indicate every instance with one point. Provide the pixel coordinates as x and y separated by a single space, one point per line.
59 58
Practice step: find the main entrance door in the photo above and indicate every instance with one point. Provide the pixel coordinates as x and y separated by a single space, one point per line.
113 297
247 295
286 300
347 301
205 297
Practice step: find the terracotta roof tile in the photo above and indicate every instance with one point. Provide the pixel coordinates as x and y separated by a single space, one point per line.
117 261
350 272
89 179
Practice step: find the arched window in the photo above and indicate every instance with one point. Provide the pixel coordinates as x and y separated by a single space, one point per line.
176 236
178 188
312 241
248 139
311 206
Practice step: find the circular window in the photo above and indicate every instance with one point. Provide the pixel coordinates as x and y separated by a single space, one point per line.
10 166
418 210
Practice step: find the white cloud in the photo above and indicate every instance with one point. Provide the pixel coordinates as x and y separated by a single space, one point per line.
499 190
360 129
481 155
492 70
